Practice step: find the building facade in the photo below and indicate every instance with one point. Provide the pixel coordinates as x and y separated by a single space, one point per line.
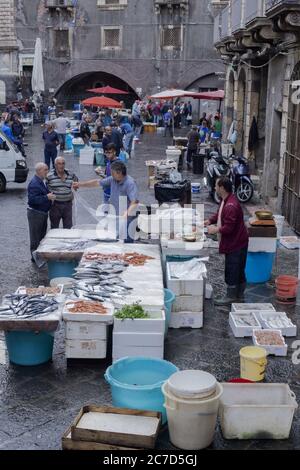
142 46
259 42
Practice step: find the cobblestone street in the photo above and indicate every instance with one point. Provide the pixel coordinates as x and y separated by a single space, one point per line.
37 404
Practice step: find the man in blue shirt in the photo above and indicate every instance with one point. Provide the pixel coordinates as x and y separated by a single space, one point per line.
39 203
128 133
124 193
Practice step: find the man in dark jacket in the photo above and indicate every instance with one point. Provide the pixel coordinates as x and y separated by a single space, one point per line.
39 203
193 142
85 132
233 241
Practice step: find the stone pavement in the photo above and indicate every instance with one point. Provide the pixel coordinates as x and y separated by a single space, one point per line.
37 404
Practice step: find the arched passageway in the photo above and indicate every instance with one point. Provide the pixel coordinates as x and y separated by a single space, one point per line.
75 89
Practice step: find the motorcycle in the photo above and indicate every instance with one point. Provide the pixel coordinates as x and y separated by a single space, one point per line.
238 173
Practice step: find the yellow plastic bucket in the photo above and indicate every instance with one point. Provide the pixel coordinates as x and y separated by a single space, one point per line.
253 363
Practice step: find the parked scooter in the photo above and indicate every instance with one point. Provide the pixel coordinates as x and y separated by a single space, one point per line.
238 172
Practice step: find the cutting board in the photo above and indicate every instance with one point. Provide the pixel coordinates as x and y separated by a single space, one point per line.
262 223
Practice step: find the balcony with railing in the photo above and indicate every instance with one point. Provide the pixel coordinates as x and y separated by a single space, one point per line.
238 15
277 6
254 9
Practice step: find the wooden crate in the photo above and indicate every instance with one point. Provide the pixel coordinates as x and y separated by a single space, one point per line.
69 444
115 438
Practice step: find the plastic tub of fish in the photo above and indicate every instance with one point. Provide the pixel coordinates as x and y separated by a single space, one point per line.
243 324
88 310
278 321
271 340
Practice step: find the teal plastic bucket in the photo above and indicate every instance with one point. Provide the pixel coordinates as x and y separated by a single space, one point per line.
61 269
259 267
169 300
29 348
136 383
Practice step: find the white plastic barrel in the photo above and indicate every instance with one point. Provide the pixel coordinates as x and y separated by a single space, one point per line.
191 420
279 221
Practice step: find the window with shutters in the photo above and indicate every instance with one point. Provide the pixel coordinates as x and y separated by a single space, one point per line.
111 37
61 43
172 37
112 4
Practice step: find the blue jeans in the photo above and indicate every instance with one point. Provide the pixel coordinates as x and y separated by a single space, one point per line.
128 139
50 156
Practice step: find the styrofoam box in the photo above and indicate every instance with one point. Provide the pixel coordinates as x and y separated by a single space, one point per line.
138 339
240 331
186 320
184 287
188 303
86 330
272 350
94 317
266 245
22 290
253 307
256 411
85 349
154 324
133 351
264 316
87 156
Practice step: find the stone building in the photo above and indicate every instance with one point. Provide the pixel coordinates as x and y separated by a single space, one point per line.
259 43
142 46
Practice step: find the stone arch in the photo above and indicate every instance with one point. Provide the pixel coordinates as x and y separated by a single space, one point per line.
75 89
2 92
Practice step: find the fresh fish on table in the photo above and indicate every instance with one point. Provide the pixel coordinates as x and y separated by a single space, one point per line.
25 306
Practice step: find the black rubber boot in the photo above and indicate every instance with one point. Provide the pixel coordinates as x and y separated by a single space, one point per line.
231 297
241 290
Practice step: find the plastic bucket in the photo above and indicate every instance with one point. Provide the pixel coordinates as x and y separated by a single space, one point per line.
196 188
169 300
61 269
136 383
286 287
29 348
64 281
77 148
253 363
279 220
192 423
259 267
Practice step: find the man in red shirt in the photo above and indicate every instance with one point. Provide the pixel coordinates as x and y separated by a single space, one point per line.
234 240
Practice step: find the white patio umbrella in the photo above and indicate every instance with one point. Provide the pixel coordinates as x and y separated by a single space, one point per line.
37 82
171 94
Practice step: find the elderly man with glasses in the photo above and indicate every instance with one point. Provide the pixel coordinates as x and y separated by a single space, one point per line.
60 183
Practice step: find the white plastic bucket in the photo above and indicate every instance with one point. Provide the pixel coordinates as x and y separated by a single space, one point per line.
192 423
279 220
196 188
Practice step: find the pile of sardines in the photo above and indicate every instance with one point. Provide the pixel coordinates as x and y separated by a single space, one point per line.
27 306
100 280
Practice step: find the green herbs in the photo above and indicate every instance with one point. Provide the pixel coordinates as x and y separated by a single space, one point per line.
131 312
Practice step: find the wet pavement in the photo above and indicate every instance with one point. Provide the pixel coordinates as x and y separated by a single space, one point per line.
37 404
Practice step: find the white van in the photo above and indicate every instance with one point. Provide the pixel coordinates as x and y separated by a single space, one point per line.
13 166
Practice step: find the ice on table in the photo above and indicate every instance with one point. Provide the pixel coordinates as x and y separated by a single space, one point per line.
125 424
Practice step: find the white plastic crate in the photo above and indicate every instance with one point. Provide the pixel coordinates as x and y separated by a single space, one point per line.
184 286
188 303
266 317
87 156
271 349
154 324
259 244
85 330
85 349
241 331
186 320
252 307
133 351
257 411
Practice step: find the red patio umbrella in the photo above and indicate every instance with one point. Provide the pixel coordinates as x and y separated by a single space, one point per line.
207 95
102 102
108 90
